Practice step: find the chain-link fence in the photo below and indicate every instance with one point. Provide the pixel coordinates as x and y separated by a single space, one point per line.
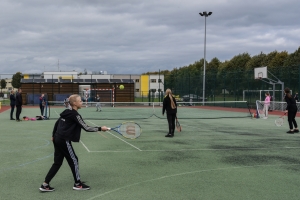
186 85
232 85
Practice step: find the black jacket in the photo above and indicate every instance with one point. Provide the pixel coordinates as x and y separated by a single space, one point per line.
19 99
291 104
12 100
69 125
167 106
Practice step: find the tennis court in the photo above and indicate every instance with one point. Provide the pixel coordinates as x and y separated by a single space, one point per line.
233 157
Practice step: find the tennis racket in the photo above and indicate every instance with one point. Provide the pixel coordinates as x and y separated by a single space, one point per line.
130 130
279 121
178 127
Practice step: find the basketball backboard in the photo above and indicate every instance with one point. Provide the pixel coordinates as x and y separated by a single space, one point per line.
260 73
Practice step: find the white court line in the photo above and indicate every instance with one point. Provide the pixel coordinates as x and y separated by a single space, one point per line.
85 146
56 113
176 150
124 141
119 138
184 174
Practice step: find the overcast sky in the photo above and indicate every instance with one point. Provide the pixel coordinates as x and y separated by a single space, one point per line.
136 36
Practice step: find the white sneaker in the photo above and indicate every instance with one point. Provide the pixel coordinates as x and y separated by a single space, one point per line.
265 118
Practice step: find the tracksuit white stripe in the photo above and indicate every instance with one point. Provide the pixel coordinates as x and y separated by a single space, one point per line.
85 126
74 160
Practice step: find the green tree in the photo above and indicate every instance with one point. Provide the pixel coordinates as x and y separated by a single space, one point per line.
16 80
269 57
292 66
293 59
3 84
255 61
278 60
211 81
232 73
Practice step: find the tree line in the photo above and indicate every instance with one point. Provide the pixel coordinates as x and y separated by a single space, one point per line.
235 75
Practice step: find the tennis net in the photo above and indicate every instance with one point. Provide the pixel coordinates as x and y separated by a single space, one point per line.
145 110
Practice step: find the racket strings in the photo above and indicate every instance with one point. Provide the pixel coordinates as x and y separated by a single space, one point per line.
130 130
279 121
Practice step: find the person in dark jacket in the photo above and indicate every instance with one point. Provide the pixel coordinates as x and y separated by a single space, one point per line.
12 104
170 105
291 110
19 104
42 101
67 129
98 105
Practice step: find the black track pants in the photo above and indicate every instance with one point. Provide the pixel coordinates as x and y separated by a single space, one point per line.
291 118
63 149
171 122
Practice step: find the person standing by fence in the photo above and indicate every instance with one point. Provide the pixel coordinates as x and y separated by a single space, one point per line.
42 104
19 104
98 105
12 104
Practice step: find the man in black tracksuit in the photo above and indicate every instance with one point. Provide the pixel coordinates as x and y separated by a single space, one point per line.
19 102
12 104
67 129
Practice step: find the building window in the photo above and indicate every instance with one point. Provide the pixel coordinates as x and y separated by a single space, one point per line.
153 80
159 80
137 90
137 80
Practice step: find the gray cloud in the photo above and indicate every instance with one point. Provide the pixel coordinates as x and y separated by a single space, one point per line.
136 36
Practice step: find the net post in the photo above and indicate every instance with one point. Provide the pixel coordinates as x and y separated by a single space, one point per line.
45 109
249 108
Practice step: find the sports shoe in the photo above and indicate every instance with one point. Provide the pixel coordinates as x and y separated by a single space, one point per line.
296 130
290 132
81 186
46 188
169 135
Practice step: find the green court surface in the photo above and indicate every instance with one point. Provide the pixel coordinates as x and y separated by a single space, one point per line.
226 159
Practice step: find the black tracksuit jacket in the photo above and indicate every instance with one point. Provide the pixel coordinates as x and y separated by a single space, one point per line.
167 106
69 125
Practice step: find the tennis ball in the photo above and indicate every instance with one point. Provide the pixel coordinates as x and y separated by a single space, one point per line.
121 87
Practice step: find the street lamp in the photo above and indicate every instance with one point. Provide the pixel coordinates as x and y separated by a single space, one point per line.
205 14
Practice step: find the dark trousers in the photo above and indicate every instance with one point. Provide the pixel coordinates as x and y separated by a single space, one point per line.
291 118
12 111
19 110
42 109
171 122
63 149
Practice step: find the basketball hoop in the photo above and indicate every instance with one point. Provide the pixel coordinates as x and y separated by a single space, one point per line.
260 73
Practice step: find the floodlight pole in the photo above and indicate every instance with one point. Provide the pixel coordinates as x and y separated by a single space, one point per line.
205 14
